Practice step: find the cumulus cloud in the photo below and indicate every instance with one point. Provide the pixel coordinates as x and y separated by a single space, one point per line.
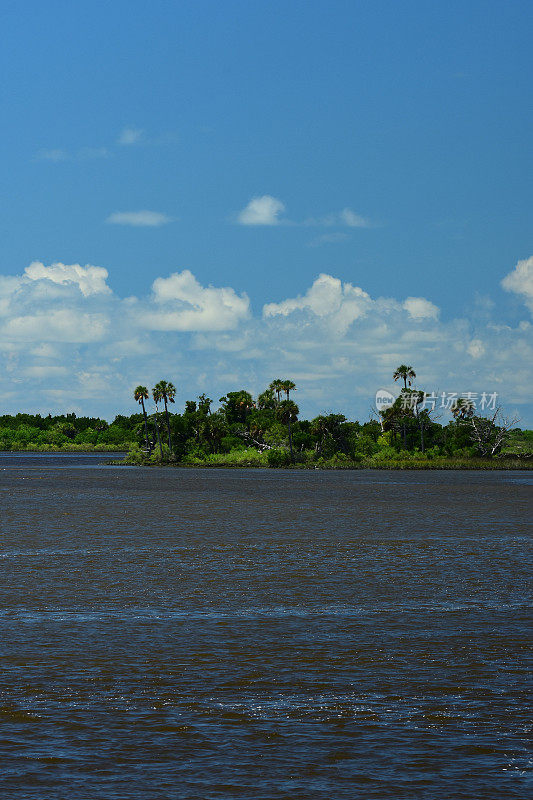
58 303
58 325
68 342
520 281
264 210
185 305
420 308
327 297
139 219
89 280
267 210
130 135
476 348
341 304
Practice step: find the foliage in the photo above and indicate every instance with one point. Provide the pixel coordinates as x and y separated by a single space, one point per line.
267 432
276 457
67 432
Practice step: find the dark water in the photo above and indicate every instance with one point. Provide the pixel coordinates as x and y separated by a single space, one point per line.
69 460
263 634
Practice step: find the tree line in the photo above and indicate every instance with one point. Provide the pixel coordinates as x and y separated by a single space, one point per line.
267 430
240 419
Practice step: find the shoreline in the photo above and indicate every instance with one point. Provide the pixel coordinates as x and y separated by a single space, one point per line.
489 466
501 463
67 451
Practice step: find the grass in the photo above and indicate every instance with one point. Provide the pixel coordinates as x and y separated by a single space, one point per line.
251 458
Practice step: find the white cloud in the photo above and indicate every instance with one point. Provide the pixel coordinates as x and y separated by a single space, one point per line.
340 304
520 281
353 220
43 372
59 325
267 210
420 308
185 305
476 348
67 341
264 210
139 219
130 136
44 350
9 286
343 219
90 280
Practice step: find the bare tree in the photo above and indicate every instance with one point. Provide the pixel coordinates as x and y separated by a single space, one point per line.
489 433
253 438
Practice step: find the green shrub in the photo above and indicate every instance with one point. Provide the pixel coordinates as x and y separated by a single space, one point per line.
240 458
230 443
278 457
386 453
156 457
364 445
135 455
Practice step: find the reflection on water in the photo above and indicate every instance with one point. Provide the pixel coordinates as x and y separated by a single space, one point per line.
262 634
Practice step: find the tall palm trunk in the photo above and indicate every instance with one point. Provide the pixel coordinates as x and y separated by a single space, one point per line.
158 435
168 425
148 447
290 440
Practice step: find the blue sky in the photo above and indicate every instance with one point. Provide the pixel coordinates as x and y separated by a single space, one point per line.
386 145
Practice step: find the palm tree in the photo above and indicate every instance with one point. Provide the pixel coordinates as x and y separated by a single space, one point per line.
266 400
288 386
287 412
422 416
140 395
166 392
277 387
407 374
156 394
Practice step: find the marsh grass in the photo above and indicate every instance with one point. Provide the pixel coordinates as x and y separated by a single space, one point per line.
280 459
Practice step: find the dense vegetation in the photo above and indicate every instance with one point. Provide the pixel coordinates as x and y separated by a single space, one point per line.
267 431
66 432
